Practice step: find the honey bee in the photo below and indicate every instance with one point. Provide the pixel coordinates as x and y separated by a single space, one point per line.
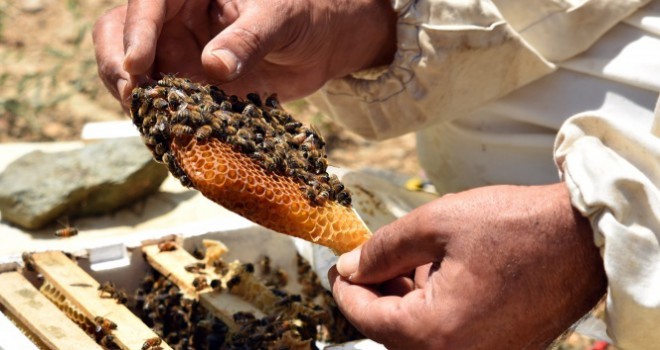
151 343
155 92
298 139
230 130
265 265
160 103
160 149
167 246
203 132
200 283
216 285
248 267
182 114
251 111
196 117
195 267
66 232
148 122
121 297
320 164
267 145
344 198
226 106
334 183
254 98
245 134
217 94
188 85
181 130
207 109
198 253
269 163
185 181
281 277
272 101
144 108
168 80
240 144
104 325
236 280
28 261
108 342
242 317
292 127
322 197
196 98
107 289
175 98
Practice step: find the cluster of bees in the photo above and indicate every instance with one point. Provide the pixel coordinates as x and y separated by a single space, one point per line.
178 108
182 323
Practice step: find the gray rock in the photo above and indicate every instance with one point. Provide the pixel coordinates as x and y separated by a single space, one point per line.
99 178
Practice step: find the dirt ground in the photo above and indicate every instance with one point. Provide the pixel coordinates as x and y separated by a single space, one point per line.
49 89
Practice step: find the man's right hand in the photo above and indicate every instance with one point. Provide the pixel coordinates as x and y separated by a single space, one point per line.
286 47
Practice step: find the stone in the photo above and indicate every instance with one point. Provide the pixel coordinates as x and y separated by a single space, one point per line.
99 178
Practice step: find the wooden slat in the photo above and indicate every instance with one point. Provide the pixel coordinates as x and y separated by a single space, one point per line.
39 316
82 291
171 264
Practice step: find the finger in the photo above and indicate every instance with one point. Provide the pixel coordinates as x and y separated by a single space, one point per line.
396 249
144 22
178 52
109 50
399 286
385 319
243 44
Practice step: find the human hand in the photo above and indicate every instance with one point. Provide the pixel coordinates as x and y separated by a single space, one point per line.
286 47
500 267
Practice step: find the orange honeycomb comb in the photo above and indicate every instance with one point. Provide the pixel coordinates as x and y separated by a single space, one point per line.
251 158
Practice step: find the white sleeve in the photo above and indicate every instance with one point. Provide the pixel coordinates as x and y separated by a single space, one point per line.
612 169
452 57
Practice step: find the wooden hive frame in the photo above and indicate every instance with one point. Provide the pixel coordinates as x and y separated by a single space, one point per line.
39 317
67 281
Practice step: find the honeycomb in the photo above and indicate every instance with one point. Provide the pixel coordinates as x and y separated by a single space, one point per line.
54 295
252 158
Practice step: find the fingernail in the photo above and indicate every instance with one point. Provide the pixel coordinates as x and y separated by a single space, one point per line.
347 264
127 55
230 61
121 85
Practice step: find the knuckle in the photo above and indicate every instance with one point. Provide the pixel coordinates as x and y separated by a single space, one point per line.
250 42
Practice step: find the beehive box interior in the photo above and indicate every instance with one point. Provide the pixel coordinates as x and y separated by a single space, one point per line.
169 296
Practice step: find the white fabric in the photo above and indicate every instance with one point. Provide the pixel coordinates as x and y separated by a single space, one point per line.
488 86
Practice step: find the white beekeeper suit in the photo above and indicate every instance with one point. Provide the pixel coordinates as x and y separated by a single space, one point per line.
495 89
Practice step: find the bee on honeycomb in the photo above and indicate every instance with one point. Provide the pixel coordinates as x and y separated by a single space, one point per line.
249 156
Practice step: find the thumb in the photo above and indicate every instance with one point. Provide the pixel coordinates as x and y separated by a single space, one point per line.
241 46
394 250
